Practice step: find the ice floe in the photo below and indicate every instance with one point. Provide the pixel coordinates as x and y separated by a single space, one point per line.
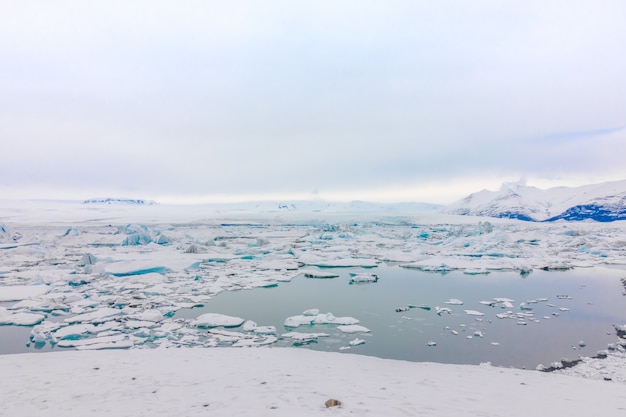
21 292
217 320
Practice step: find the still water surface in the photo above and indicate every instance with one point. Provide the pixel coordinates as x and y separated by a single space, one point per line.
595 303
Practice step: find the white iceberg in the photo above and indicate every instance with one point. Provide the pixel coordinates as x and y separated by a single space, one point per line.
217 320
353 328
474 313
358 278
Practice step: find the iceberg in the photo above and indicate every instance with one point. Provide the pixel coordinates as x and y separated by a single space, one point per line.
322 318
473 313
358 278
217 320
353 328
304 337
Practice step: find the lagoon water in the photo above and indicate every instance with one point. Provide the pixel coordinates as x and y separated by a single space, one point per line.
593 304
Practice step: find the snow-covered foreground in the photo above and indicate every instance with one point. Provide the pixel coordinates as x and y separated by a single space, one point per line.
285 382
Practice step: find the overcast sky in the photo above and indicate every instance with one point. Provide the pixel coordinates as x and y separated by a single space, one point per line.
374 100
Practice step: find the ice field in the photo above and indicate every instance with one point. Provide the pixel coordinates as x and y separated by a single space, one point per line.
101 277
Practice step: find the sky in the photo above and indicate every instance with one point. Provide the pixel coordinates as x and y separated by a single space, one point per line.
210 101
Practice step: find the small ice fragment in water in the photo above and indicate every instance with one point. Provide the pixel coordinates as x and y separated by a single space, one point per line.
356 342
431 343
474 313
353 328
356 278
454 301
441 310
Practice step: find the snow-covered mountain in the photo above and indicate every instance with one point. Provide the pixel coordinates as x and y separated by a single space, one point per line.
603 202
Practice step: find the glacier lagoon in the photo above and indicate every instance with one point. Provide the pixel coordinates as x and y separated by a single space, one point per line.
417 316
101 278
560 309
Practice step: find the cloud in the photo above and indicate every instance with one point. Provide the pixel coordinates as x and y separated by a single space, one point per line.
284 97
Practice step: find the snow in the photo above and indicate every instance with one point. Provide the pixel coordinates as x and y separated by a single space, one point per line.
75 278
285 382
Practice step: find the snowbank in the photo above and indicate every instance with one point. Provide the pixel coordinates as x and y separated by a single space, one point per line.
285 382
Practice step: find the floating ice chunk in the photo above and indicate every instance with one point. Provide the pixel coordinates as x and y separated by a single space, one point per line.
139 324
249 326
19 318
37 305
311 312
356 342
341 263
363 278
353 328
422 306
477 271
96 316
478 333
114 344
217 320
255 342
441 310
295 321
99 342
147 315
303 337
454 301
329 318
431 343
320 274
525 307
269 330
488 303
474 313
322 318
504 300
564 309
21 292
75 331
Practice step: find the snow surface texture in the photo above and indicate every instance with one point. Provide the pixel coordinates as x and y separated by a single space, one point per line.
601 202
71 269
285 382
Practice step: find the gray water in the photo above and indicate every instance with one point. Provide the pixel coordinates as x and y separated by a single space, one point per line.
596 304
